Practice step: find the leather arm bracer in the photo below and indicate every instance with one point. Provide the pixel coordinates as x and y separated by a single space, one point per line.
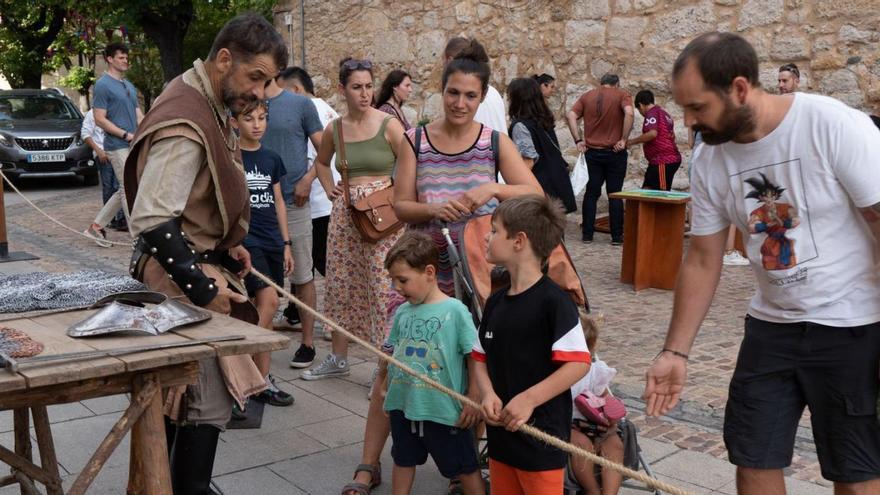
167 244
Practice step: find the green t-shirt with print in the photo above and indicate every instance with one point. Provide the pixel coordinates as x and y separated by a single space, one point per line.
433 339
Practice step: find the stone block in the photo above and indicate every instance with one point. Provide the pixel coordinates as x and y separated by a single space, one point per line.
268 483
590 9
698 469
844 8
683 22
581 34
788 46
828 60
626 32
839 81
430 45
599 67
391 46
465 12
760 13
627 6
851 34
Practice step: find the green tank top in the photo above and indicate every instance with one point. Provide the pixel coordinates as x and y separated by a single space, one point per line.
372 156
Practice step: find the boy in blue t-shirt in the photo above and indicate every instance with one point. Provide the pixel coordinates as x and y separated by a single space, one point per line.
433 334
267 241
530 351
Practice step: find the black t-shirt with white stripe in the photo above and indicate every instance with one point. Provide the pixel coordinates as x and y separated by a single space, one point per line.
523 339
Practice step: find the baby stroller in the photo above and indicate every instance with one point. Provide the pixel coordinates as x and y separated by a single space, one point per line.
475 279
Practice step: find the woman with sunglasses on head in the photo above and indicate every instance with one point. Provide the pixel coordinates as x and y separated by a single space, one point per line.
358 296
394 92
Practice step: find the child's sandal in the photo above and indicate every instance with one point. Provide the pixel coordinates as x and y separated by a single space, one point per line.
363 488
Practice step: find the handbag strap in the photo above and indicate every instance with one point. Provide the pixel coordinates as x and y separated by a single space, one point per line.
341 160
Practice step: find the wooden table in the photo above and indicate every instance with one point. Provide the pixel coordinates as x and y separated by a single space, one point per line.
653 237
143 375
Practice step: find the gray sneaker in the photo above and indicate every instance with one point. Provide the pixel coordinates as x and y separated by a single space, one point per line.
329 367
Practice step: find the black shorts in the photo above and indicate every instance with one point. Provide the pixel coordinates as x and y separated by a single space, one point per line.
659 177
783 367
319 244
451 448
269 263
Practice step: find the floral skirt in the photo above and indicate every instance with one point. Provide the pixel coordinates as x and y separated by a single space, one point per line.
358 294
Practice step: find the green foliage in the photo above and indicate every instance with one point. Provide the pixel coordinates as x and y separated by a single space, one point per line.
145 71
78 79
26 33
210 16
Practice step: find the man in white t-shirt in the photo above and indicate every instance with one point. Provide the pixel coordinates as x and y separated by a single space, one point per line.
491 112
797 174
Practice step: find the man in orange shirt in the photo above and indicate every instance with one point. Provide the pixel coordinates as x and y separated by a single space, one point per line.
607 112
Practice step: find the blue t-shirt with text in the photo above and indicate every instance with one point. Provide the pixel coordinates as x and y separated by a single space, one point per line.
119 99
292 119
263 169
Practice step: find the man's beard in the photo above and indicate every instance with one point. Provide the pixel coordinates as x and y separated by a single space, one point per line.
233 100
735 122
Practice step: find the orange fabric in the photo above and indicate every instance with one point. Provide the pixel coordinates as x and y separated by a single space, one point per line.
507 480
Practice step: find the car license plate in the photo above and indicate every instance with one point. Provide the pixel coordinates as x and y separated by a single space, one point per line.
46 157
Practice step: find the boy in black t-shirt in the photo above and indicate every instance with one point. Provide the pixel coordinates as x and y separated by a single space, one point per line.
530 351
267 241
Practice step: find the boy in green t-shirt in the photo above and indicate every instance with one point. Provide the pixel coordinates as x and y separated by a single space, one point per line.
432 334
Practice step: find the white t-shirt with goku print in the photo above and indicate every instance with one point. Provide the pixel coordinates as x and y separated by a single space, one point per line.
795 194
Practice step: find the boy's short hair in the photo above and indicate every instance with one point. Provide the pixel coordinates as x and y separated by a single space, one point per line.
250 106
542 220
417 249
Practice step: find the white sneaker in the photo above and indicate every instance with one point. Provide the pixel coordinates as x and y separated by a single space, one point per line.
733 258
98 235
329 367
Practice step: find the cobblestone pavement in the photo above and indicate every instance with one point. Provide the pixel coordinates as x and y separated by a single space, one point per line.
633 332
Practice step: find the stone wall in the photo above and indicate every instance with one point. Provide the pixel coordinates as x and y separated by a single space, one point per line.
833 42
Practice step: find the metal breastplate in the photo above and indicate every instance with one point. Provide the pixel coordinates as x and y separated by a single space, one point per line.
147 312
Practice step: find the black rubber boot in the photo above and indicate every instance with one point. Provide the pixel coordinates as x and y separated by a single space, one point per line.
193 459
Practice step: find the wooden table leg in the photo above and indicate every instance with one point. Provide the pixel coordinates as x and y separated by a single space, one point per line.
48 460
149 471
630 241
645 251
139 403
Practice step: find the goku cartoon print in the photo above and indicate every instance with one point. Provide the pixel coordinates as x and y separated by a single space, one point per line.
773 218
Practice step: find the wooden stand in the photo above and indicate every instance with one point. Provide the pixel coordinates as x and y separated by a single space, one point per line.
143 375
653 239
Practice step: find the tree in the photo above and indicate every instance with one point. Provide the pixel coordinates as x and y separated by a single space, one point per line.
27 30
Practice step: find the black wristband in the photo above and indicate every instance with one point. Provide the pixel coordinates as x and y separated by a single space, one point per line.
674 353
576 141
288 243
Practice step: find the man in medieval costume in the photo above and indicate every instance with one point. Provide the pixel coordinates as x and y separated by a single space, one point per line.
185 187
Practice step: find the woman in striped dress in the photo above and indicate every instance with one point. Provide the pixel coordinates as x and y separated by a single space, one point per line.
449 176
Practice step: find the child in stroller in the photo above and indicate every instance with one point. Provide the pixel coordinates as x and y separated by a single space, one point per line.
605 440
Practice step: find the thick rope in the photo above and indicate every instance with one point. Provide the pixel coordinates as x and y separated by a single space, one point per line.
527 429
50 217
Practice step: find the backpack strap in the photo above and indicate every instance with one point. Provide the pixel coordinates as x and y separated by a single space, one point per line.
495 151
417 146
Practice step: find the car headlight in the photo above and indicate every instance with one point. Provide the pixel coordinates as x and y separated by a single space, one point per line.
5 140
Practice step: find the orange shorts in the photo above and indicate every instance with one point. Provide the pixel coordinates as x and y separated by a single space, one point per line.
508 480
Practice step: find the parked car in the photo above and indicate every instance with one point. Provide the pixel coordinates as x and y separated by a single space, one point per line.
40 136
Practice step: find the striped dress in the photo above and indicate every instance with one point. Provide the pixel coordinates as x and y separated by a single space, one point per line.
441 177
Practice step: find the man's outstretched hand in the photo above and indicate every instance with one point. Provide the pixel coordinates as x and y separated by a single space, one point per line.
665 380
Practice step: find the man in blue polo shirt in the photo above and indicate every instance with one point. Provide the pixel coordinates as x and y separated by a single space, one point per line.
117 113
293 121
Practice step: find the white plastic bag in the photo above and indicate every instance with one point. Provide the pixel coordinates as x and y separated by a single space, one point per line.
579 176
